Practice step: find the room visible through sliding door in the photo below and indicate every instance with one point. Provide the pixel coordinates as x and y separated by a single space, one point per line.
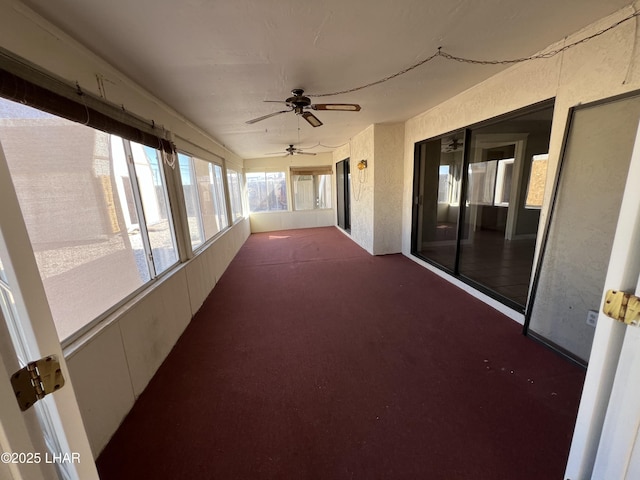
438 198
477 199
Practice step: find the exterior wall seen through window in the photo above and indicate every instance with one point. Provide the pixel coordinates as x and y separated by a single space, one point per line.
96 210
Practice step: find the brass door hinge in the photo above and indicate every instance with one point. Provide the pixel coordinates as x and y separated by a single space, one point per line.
37 380
623 307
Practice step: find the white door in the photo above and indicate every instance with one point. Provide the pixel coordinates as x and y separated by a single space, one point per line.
20 435
619 449
606 442
48 440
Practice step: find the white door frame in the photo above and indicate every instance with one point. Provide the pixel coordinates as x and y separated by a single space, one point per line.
38 330
623 273
16 429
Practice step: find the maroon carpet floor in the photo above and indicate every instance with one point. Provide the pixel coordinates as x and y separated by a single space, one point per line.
312 359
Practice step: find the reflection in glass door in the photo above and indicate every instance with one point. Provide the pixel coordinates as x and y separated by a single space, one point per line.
477 199
343 205
438 198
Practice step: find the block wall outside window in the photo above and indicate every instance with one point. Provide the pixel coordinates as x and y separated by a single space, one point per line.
96 210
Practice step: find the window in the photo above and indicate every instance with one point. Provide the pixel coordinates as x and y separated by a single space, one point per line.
482 182
267 191
490 182
311 187
152 192
96 211
504 175
219 202
190 189
537 181
444 190
203 186
234 180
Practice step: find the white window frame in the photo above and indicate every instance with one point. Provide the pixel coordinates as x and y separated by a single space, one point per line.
265 172
236 216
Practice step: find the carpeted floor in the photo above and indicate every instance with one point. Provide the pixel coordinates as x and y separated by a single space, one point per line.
312 359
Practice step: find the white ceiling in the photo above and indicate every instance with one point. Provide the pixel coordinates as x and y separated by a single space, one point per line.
215 61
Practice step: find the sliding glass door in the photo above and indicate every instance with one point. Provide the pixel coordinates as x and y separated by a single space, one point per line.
477 198
343 189
437 209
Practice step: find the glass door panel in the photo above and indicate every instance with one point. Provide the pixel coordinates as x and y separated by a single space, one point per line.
477 199
591 183
343 179
499 227
437 208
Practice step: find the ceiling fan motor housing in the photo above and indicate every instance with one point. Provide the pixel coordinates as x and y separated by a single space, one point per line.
298 102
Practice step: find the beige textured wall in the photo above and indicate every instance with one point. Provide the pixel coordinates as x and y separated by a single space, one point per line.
376 192
389 154
361 147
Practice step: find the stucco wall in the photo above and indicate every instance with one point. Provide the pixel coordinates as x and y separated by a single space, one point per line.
376 192
361 147
389 154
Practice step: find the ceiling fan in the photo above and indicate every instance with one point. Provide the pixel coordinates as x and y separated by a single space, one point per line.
452 145
291 150
300 104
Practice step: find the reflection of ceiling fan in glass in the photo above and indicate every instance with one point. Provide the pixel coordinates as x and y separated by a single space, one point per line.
291 150
452 145
300 104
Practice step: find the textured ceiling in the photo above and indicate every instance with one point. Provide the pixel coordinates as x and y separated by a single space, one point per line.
216 61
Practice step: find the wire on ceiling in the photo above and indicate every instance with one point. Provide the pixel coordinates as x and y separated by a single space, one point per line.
448 56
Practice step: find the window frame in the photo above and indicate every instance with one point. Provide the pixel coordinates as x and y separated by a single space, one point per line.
235 215
217 197
138 200
192 177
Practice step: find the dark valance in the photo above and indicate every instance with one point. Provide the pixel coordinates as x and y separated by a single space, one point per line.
23 83
322 170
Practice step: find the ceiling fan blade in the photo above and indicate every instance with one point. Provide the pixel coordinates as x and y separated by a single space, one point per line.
304 153
312 119
343 107
259 119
